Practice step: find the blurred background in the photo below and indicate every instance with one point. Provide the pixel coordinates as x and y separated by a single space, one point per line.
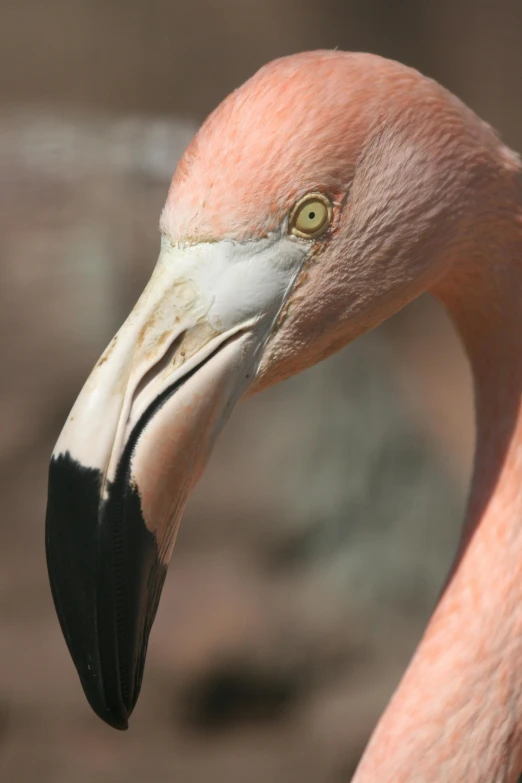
306 567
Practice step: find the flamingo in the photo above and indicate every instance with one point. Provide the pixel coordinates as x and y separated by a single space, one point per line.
317 200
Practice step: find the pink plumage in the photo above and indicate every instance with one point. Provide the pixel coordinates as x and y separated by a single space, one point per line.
424 197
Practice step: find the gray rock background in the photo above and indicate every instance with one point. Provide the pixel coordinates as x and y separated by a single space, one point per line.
313 550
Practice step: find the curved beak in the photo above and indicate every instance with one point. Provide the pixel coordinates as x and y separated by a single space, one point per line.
136 442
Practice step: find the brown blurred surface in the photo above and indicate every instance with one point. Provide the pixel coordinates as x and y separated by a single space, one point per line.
313 549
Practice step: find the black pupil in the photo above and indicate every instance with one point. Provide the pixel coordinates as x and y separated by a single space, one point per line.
311 215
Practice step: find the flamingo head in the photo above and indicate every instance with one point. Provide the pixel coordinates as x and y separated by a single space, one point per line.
317 200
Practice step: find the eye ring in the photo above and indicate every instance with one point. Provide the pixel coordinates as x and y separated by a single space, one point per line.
310 216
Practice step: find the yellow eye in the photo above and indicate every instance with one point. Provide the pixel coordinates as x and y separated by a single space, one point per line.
311 216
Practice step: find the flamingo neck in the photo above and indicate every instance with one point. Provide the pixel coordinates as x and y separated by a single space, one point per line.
457 714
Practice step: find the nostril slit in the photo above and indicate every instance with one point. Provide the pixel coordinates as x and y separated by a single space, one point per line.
158 367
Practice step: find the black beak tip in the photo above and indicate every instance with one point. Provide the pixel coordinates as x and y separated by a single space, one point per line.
104 700
103 692
116 718
121 725
106 578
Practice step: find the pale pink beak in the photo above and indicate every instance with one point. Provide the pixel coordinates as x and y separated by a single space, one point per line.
135 444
